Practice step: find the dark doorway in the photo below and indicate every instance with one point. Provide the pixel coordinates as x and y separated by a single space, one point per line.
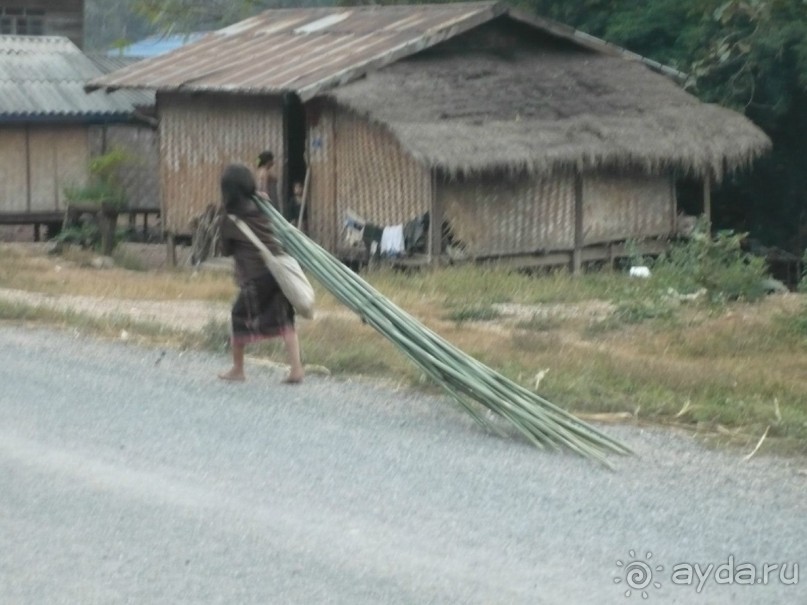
295 135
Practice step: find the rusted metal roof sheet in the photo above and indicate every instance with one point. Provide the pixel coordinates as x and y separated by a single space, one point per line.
301 50
43 78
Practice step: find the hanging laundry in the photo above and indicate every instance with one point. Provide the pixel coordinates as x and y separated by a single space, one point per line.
415 234
392 241
353 233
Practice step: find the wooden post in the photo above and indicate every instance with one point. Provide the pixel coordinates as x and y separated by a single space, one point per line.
36 232
707 198
577 253
171 249
306 182
435 247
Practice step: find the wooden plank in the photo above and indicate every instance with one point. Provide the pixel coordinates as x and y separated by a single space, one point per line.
558 258
30 218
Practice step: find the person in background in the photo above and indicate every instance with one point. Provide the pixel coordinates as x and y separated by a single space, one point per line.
267 177
260 310
295 203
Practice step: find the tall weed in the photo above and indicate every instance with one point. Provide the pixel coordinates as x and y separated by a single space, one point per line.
715 264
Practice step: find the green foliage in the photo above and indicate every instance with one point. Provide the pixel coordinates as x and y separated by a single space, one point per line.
86 235
110 23
639 309
803 281
716 264
750 55
95 194
474 313
125 259
104 186
104 168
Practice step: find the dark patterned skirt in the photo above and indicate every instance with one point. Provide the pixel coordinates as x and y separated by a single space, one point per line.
260 311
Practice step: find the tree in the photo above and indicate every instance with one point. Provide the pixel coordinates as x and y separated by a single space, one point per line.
753 57
750 55
199 15
113 22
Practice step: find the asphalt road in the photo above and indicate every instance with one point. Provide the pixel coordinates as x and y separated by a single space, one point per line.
129 476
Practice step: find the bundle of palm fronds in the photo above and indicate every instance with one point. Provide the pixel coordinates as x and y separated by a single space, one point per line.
463 377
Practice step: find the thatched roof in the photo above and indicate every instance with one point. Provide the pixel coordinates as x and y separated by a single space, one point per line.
542 110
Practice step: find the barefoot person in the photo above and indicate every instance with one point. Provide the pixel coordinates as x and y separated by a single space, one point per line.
260 310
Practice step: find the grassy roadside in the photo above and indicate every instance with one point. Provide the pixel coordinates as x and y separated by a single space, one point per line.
598 344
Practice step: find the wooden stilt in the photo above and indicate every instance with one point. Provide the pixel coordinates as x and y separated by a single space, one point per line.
171 249
707 198
577 254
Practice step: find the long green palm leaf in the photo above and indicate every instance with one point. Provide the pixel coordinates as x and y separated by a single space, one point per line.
468 381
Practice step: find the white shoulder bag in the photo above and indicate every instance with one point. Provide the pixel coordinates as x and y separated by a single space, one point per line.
286 271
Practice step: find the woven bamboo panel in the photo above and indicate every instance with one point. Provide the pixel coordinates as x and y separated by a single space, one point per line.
199 136
376 178
139 175
321 203
493 217
13 179
618 207
59 158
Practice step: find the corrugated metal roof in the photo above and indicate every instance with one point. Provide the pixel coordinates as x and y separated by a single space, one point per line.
43 77
302 50
108 64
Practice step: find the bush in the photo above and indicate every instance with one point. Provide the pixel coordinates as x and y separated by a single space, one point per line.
716 264
803 281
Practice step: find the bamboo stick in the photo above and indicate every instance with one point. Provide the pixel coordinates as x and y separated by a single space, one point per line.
469 382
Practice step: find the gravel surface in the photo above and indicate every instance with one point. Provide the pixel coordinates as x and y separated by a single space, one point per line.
132 475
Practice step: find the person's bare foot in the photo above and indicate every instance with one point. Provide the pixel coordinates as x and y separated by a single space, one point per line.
233 375
293 379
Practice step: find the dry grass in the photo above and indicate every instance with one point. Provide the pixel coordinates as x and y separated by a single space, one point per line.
734 370
27 268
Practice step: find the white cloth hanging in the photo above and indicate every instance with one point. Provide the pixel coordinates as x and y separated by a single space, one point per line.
392 240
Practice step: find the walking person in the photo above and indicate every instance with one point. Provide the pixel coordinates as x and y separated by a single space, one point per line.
261 310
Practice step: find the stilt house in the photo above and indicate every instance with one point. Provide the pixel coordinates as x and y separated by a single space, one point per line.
523 136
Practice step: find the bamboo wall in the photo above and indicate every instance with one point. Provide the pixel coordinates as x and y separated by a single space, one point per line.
627 207
37 163
501 216
200 135
358 166
59 159
505 216
13 170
